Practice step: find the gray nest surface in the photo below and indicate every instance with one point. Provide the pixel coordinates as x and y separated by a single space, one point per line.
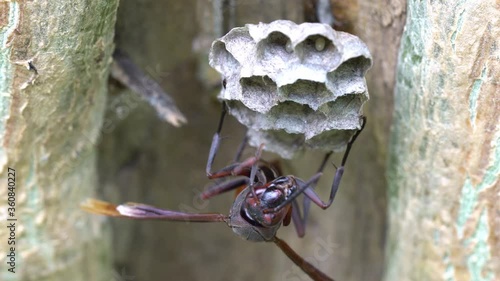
294 86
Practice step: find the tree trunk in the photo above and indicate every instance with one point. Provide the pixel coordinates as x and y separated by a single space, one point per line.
54 62
444 162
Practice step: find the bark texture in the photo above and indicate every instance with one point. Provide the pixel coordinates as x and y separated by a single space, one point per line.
50 121
444 163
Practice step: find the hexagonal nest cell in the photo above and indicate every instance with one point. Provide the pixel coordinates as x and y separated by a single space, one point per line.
306 92
261 90
294 86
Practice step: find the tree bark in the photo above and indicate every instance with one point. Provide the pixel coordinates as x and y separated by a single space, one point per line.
54 62
444 162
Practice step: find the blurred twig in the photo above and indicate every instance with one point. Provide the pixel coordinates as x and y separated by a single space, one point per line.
129 74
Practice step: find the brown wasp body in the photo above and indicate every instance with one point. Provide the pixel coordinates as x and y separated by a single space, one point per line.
266 201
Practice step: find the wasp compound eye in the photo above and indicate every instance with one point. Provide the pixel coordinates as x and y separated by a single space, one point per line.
293 86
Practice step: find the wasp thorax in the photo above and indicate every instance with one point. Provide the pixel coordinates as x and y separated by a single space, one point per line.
294 86
272 197
267 198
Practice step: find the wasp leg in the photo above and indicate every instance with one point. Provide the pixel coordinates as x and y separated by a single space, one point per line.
242 146
305 187
300 220
234 169
214 147
306 203
338 174
223 187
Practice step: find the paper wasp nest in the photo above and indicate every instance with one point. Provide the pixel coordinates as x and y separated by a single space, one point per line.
293 86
